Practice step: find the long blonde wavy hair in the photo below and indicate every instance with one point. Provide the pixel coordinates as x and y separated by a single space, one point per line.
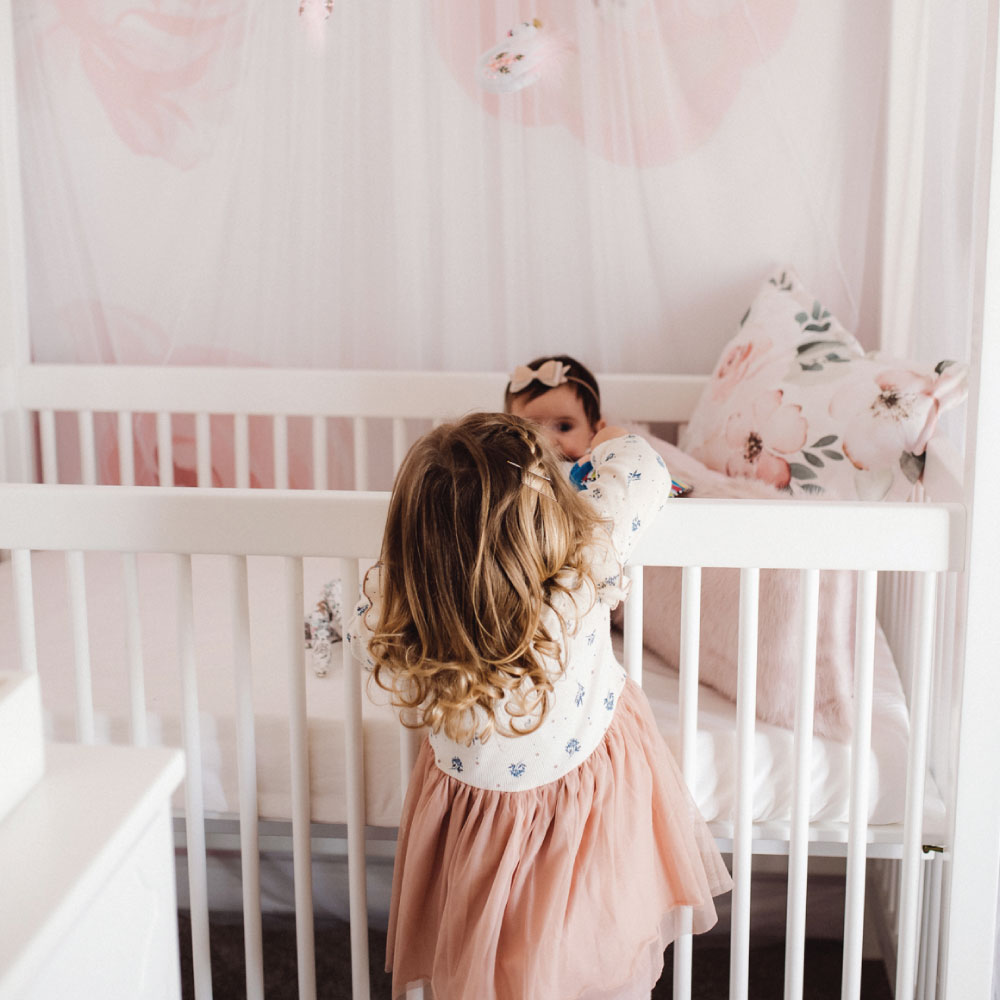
483 531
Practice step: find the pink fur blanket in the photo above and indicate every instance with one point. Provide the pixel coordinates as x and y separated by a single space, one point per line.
779 618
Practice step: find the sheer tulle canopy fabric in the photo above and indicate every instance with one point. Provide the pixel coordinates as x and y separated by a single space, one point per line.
226 182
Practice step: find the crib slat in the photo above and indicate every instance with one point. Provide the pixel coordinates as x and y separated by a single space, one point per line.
942 634
902 609
798 853
203 448
690 648
746 710
50 456
298 734
632 624
360 426
165 449
24 603
194 800
886 607
16 445
925 597
246 763
321 478
929 955
241 449
126 449
923 947
25 468
17 459
857 835
354 740
76 581
133 650
398 442
688 712
88 458
909 616
280 425
409 745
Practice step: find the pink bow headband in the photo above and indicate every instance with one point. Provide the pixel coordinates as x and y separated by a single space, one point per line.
552 373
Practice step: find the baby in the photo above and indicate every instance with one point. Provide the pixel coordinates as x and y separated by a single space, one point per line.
563 398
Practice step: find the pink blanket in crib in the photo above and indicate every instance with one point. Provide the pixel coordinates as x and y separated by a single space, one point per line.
779 618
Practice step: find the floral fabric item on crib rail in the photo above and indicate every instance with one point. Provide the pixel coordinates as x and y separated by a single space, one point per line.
796 402
324 626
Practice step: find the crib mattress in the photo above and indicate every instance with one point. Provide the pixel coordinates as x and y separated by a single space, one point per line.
714 785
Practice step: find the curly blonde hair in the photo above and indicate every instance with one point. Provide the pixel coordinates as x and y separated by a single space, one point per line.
483 531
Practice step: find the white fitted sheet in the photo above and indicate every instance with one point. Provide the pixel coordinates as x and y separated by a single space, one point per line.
714 787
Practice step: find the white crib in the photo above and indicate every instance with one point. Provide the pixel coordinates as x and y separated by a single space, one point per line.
913 589
928 573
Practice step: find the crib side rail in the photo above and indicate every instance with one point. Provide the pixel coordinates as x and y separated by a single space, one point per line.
692 534
910 886
331 393
261 391
308 428
757 533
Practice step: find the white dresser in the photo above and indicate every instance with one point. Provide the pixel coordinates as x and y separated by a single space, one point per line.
87 896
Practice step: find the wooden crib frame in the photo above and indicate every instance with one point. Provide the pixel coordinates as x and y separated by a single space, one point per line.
915 599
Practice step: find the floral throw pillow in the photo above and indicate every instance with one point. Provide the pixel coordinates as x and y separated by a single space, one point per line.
796 402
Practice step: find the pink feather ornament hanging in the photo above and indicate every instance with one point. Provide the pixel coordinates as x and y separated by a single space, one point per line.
529 52
639 82
314 13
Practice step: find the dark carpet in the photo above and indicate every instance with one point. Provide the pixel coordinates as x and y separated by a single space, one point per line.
333 966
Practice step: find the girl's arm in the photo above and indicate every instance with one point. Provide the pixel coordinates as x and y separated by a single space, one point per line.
629 484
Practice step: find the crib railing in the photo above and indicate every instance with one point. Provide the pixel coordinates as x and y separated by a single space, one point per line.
904 609
294 525
309 429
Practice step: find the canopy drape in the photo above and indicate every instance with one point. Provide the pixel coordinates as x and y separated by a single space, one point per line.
216 181
231 182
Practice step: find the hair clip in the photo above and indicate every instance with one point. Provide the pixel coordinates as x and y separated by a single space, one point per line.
538 475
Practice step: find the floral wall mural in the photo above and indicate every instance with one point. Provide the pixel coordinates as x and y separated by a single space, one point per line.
223 181
640 83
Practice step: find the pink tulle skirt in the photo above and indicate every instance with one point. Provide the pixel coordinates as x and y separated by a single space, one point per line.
569 891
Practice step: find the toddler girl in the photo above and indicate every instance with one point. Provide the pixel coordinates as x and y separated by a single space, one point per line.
547 839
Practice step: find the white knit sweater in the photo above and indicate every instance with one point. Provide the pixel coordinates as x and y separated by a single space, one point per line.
628 485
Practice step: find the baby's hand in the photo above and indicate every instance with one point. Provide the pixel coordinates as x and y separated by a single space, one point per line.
607 434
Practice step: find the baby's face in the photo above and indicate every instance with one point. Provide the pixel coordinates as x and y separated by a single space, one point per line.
559 412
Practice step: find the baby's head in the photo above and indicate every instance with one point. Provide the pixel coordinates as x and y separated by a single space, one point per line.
482 531
562 397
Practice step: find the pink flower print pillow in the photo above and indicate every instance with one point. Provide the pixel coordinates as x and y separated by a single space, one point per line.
796 403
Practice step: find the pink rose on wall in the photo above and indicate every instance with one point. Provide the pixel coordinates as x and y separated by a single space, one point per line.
162 72
676 65
758 438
